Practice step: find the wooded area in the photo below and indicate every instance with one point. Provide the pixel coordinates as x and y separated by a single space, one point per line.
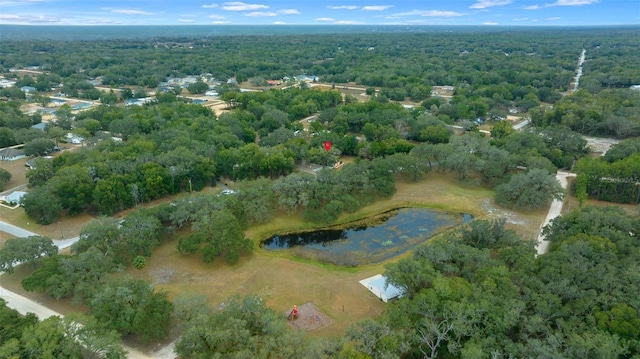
477 292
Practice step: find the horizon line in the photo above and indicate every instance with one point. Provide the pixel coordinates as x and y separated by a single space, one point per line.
335 25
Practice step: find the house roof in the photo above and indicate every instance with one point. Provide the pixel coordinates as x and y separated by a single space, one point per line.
80 106
31 163
15 197
10 153
39 126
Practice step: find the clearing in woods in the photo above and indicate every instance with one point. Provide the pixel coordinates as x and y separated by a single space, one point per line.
283 280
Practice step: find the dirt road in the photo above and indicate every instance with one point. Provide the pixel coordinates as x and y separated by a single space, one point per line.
554 211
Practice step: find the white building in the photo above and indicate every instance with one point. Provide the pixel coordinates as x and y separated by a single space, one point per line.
384 291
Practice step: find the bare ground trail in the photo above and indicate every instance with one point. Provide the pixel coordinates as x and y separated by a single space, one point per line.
554 211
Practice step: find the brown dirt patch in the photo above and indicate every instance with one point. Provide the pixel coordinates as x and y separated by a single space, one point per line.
17 170
218 107
309 318
67 227
4 237
281 282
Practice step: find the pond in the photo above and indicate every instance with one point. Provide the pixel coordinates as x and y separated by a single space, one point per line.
371 241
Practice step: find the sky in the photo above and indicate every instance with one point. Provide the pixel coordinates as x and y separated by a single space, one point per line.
321 12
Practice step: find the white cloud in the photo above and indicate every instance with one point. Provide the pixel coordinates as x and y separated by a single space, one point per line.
490 23
216 17
19 2
128 11
419 21
427 13
279 23
186 20
377 7
521 19
483 4
562 3
348 22
210 6
441 13
28 19
98 22
289 12
240 6
343 7
325 19
261 14
575 2
220 22
553 19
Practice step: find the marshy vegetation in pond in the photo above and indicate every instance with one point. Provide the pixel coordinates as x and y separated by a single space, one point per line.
371 241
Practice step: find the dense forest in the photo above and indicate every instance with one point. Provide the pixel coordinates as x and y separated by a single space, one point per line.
175 147
492 73
480 293
477 292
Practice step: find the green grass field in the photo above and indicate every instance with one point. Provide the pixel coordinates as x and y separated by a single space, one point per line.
283 280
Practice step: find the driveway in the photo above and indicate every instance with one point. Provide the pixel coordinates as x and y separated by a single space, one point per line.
554 211
15 231
22 233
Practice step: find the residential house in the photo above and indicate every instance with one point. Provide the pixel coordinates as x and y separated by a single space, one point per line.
4 83
306 78
14 198
138 101
31 163
11 154
81 106
73 138
39 126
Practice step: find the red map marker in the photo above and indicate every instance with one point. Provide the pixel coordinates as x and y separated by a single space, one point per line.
327 146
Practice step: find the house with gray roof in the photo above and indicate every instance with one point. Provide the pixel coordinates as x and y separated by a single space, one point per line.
11 154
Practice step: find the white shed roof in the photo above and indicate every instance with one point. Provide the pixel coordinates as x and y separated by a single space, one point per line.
378 285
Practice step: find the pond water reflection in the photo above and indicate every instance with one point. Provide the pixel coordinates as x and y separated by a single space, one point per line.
392 234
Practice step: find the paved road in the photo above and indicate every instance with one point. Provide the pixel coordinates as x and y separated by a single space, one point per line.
25 305
579 70
554 211
21 233
15 231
